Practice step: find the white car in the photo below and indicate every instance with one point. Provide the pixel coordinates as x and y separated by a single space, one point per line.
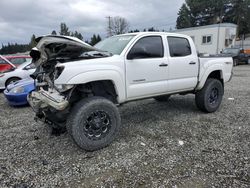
23 71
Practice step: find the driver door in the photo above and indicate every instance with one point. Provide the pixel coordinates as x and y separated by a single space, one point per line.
146 68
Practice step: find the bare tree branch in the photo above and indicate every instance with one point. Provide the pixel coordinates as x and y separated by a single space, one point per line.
117 25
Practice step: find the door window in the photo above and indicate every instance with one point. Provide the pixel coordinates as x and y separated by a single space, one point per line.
179 47
147 47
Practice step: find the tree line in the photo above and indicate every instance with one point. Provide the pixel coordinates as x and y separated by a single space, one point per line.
203 12
11 48
192 13
195 13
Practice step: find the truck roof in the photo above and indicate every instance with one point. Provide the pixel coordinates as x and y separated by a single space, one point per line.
156 33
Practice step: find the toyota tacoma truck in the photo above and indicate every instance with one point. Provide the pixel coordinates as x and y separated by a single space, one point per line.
80 87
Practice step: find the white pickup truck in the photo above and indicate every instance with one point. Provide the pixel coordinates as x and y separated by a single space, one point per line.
79 86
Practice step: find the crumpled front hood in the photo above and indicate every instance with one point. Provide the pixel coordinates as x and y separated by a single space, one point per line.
54 47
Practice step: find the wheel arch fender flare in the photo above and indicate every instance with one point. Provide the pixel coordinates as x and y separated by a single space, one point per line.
12 78
203 78
101 75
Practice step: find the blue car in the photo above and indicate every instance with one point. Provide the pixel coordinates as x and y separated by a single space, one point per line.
16 93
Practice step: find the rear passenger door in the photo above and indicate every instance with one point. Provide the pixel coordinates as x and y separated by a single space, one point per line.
183 64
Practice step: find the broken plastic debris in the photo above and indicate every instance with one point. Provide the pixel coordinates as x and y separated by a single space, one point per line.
143 144
231 99
181 142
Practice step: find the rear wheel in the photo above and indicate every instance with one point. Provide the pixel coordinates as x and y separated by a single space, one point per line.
209 98
11 81
94 123
162 98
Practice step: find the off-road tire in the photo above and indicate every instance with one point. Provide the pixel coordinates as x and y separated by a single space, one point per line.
79 116
162 98
204 98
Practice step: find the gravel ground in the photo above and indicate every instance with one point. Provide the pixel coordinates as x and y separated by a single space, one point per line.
169 144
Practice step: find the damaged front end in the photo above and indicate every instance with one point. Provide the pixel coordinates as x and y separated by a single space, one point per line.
51 102
50 106
43 99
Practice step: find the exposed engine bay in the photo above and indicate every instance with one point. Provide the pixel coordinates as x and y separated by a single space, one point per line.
49 56
52 51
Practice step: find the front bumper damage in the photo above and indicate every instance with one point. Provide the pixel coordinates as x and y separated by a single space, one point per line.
43 99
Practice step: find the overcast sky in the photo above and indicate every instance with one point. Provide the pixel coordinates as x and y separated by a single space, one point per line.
19 19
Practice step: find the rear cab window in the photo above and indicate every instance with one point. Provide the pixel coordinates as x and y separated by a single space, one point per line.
179 46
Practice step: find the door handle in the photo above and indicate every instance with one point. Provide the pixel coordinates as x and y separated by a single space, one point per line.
192 63
163 65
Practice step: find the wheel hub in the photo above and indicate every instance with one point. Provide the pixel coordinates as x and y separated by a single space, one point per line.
214 95
97 125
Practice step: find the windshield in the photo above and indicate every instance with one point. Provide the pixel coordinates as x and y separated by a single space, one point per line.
114 45
230 51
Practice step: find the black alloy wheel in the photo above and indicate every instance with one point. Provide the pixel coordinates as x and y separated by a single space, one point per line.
97 125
